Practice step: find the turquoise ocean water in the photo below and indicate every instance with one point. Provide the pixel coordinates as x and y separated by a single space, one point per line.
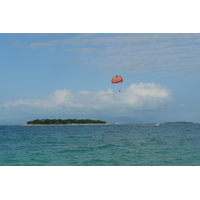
100 145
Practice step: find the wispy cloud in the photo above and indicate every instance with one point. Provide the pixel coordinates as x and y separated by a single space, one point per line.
143 96
132 52
140 52
17 44
38 45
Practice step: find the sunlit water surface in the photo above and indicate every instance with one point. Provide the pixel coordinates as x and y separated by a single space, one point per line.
100 145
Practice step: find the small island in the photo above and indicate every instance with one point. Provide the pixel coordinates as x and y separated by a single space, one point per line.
178 122
64 122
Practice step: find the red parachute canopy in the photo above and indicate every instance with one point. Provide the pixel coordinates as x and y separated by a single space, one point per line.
117 79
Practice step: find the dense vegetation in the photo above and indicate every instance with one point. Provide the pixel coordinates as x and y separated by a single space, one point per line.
65 121
178 122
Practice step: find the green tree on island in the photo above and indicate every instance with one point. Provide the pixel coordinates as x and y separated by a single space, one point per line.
65 121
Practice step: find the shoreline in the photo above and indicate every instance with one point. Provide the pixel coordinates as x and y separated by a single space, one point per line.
60 124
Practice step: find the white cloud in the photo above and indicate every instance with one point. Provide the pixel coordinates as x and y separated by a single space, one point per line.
133 52
139 52
143 96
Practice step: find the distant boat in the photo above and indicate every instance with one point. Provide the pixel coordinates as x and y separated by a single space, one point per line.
157 124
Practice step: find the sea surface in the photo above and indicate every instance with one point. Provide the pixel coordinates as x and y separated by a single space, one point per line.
100 145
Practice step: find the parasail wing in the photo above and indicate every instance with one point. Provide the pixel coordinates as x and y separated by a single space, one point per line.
117 79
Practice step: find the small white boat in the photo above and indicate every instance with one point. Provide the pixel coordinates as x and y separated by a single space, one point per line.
157 124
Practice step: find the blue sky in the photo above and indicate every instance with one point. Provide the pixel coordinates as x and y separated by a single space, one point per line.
69 76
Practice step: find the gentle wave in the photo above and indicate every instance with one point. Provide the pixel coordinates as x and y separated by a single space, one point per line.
111 145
